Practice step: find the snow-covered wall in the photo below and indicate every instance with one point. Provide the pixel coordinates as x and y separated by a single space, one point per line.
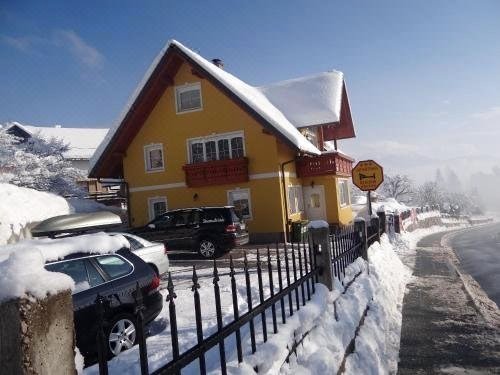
21 208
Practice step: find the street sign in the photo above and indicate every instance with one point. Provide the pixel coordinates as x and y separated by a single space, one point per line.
367 175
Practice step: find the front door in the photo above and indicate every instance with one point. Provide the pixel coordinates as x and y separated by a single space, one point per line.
314 202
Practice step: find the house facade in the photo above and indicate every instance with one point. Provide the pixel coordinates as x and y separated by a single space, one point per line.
195 135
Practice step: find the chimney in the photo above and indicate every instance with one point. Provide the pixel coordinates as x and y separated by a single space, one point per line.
218 63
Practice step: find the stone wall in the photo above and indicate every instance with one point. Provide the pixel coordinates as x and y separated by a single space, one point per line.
37 336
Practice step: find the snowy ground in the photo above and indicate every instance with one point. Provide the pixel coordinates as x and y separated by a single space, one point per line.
377 344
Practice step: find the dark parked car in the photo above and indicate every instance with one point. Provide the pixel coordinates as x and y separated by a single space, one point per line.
113 276
207 230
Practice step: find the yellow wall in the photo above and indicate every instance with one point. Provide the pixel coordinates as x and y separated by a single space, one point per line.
219 115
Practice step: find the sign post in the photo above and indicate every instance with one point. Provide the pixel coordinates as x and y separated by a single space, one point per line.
367 175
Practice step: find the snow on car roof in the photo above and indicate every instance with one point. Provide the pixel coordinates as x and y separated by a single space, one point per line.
22 265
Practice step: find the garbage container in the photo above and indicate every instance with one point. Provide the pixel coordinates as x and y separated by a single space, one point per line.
299 231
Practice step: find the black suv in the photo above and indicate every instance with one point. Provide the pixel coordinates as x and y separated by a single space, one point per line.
114 277
207 230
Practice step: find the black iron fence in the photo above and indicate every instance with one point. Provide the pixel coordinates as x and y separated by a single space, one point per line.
291 272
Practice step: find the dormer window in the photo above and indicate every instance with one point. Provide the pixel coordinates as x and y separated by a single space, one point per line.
188 98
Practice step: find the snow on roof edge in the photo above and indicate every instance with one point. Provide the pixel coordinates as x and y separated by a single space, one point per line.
114 128
254 99
131 100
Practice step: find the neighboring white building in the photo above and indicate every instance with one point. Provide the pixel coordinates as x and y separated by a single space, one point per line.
82 141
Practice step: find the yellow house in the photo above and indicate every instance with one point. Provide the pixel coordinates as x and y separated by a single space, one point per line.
195 135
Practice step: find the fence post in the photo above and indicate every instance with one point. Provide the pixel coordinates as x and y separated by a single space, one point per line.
375 223
320 243
397 224
360 227
382 221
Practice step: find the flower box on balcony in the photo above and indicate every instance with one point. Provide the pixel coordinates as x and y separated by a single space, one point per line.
330 163
216 172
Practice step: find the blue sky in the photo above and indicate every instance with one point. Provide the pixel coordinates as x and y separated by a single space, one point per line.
423 77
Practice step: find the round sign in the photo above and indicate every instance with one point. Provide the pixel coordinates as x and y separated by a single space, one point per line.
367 175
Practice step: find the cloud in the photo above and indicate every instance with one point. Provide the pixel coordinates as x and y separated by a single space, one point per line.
23 44
67 40
81 50
492 113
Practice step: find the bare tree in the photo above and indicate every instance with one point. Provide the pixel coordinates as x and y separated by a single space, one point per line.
397 186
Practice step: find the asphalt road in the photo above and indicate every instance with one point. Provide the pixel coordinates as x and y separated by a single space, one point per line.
478 250
442 331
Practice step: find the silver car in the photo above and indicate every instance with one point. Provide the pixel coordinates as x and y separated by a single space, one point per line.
153 253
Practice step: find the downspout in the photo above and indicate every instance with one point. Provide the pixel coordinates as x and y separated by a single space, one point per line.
129 211
282 166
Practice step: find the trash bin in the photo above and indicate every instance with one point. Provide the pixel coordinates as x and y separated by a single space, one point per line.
299 231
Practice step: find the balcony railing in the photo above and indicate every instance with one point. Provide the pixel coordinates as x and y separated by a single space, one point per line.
331 163
216 172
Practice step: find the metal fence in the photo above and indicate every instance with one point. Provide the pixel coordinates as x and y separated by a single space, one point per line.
292 272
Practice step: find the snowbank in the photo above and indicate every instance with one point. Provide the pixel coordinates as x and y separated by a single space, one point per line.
21 207
22 264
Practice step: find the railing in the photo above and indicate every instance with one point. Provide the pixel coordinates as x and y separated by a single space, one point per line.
292 272
346 247
330 163
216 172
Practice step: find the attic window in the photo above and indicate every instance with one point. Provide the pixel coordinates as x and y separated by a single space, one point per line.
188 98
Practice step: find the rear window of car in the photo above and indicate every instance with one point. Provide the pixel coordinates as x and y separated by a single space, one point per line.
134 244
81 271
234 217
114 266
213 216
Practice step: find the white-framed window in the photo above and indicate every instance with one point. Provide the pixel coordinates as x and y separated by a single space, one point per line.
153 158
295 199
344 193
216 147
188 98
157 206
240 199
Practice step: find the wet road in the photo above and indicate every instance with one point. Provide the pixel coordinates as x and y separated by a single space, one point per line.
478 250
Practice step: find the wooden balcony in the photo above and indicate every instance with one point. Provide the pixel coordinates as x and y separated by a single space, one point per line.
216 172
330 163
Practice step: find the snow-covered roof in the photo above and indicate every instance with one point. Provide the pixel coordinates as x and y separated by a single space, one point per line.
254 97
82 141
308 101
286 106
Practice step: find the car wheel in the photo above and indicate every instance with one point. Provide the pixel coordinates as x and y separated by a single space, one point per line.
122 334
207 248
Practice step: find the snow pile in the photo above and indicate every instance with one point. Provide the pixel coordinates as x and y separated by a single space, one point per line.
428 214
377 345
22 264
22 207
389 205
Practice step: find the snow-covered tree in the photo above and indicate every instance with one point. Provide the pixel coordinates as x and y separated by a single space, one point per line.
38 164
429 193
397 186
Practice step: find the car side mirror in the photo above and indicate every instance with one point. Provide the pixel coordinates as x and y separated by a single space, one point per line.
151 226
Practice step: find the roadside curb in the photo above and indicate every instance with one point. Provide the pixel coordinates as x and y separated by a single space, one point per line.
482 303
